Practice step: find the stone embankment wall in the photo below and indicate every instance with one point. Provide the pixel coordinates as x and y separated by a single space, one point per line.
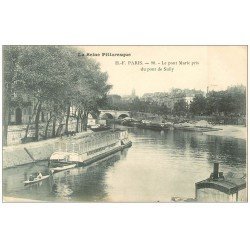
16 155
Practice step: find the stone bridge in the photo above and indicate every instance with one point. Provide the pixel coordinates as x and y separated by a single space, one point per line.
114 114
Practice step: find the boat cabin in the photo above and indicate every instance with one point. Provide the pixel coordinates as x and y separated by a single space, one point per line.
218 188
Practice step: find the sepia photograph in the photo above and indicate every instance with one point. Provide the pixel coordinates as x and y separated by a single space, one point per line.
134 124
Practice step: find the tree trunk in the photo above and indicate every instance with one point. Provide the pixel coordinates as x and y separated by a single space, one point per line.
30 119
46 128
37 121
7 85
82 124
67 119
77 122
6 113
54 128
8 80
59 129
27 129
85 121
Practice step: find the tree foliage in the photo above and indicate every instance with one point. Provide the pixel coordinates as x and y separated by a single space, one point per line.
180 107
231 102
198 105
56 79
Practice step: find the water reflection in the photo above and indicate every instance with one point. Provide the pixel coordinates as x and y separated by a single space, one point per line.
158 166
88 183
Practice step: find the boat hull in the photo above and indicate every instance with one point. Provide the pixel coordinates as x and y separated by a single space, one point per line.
36 180
198 129
104 128
151 127
63 168
105 154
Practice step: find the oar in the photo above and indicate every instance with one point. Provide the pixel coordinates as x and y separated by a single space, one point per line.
30 155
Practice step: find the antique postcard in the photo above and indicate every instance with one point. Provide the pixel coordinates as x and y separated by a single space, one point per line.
124 123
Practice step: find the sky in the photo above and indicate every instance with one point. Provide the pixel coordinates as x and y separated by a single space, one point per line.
215 66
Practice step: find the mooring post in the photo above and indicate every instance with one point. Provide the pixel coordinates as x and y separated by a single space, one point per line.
216 171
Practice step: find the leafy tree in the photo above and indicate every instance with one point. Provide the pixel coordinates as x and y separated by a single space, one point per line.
229 102
91 92
198 105
56 79
180 107
44 75
11 56
237 99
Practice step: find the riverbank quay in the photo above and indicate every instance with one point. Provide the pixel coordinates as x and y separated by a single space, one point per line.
16 155
16 133
233 131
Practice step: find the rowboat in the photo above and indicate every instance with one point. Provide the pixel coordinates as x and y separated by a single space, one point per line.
36 180
62 168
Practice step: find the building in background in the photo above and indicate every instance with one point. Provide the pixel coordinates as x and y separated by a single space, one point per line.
130 98
21 110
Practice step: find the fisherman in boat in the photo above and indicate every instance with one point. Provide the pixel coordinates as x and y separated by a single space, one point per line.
39 176
31 178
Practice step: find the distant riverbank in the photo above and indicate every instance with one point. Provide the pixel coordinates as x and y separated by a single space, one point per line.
237 132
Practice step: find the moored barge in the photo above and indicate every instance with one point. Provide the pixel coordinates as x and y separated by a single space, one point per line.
155 126
220 188
84 150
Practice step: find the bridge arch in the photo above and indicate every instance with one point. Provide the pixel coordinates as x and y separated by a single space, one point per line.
107 116
117 114
121 116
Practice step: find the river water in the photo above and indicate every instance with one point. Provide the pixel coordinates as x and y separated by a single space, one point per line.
157 167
